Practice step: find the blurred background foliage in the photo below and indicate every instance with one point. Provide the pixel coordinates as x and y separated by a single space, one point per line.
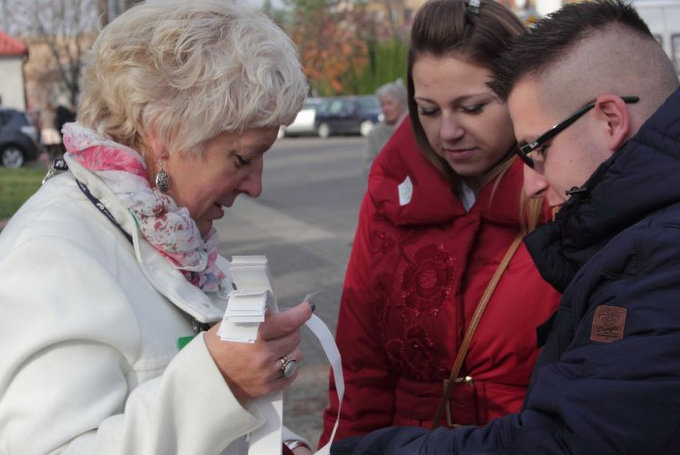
346 46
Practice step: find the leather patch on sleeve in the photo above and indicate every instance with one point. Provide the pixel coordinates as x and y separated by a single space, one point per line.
608 323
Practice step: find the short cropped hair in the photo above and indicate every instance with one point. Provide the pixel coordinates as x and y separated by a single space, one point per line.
189 70
395 89
549 39
447 28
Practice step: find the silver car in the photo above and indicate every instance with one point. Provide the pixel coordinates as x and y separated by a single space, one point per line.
304 121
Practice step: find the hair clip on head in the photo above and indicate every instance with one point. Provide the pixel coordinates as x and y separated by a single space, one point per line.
473 6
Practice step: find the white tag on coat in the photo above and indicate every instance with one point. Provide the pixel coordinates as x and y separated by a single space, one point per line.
405 191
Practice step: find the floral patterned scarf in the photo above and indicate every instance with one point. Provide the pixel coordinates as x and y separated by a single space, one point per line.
167 227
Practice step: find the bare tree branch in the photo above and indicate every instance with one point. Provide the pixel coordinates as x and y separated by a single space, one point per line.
67 28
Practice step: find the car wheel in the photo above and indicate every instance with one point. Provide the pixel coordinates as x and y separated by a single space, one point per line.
324 130
366 128
12 156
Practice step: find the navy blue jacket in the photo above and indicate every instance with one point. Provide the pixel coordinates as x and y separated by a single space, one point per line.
608 378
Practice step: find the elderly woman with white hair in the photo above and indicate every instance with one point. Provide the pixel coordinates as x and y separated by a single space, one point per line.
392 97
111 267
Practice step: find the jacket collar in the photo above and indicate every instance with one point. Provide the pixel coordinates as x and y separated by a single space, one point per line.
639 179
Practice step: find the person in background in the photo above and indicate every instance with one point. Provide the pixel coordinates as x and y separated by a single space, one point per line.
392 97
111 267
64 113
439 228
595 105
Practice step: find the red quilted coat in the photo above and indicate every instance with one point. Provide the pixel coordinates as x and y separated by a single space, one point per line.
415 276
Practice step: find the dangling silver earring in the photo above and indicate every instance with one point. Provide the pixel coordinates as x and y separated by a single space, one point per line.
163 179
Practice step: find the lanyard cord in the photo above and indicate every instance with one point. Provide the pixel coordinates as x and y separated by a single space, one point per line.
59 165
97 203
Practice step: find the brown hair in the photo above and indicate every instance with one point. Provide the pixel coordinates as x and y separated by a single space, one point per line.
447 27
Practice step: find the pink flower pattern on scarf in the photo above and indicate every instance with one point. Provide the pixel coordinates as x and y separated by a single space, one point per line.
167 227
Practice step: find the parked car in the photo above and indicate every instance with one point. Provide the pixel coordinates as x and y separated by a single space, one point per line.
348 115
304 120
18 138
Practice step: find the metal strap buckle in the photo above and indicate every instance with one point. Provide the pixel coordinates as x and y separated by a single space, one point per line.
464 380
58 165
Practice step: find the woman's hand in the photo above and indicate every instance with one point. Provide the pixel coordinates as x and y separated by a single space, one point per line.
254 369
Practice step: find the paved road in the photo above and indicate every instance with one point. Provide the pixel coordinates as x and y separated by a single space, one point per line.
304 222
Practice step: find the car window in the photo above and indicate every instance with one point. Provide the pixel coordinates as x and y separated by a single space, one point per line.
336 107
351 106
370 103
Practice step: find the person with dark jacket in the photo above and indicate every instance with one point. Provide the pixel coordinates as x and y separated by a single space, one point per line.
596 107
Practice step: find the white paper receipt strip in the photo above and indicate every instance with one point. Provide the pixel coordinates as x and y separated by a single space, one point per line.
245 310
325 337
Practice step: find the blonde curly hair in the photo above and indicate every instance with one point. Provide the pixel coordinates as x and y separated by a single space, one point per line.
188 71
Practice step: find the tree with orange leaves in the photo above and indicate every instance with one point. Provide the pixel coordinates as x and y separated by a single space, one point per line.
328 35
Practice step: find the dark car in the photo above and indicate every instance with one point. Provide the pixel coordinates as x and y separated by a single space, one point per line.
347 115
18 138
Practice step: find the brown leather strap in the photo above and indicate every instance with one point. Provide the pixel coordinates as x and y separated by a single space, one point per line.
465 344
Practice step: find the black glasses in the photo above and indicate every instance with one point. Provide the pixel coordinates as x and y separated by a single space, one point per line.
525 150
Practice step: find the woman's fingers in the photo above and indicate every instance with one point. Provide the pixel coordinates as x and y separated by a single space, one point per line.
277 325
256 369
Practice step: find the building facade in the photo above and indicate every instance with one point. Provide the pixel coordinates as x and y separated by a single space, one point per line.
13 54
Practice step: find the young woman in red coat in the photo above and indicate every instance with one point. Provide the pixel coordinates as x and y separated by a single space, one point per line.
443 206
